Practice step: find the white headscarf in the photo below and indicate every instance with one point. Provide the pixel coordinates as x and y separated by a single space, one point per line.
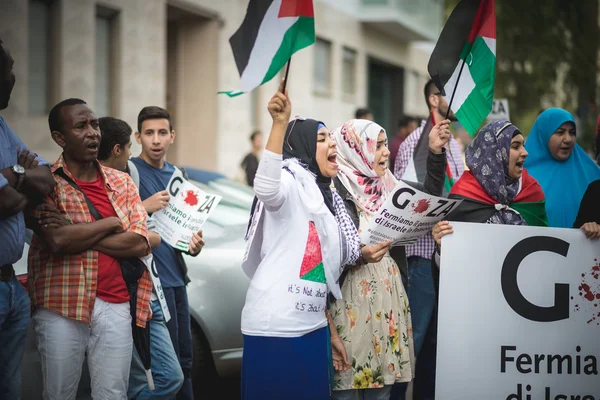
356 146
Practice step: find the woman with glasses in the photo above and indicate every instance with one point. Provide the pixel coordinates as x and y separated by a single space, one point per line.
373 317
299 237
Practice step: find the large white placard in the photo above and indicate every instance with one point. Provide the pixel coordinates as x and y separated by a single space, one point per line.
406 215
188 209
519 314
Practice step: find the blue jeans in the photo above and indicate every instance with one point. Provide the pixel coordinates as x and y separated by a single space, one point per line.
14 324
181 335
164 364
421 298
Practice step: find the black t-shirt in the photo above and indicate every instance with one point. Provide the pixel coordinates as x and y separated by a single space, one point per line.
589 210
250 165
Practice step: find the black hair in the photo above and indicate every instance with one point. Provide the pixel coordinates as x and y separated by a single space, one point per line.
361 113
405 121
428 90
114 131
153 112
254 135
54 118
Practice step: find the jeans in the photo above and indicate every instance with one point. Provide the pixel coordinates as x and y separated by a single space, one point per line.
164 364
421 298
362 394
63 344
424 384
14 325
181 335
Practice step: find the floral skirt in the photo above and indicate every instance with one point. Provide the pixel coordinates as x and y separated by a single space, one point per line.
373 319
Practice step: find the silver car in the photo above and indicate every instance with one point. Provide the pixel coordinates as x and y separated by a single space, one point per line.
216 296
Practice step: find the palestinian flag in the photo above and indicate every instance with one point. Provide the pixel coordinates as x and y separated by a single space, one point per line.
478 206
272 31
463 63
312 268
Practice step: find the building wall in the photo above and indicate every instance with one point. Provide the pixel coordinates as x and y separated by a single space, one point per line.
212 130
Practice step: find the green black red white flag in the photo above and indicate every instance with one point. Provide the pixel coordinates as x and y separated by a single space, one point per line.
272 31
463 63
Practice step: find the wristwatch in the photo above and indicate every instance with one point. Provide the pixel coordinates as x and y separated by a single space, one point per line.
19 171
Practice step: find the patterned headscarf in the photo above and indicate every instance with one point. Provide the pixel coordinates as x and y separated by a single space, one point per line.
488 157
356 146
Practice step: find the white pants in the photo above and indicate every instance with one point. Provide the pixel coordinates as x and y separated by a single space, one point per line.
63 344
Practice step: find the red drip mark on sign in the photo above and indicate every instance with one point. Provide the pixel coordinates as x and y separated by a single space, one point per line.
589 290
191 198
420 206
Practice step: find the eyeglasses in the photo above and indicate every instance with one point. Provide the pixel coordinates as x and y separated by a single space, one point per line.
287 141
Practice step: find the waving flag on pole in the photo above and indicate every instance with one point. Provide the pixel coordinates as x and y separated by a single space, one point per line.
272 31
463 63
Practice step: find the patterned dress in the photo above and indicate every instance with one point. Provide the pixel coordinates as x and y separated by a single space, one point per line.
373 320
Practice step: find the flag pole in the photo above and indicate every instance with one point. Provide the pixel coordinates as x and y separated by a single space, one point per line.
287 72
455 87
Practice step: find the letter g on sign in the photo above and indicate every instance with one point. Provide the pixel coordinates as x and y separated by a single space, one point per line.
510 287
398 194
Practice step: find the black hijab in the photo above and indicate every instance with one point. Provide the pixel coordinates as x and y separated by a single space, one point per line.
301 142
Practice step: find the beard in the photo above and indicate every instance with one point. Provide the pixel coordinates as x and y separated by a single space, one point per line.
443 110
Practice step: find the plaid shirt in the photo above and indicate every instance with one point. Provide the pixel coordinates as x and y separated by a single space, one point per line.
425 246
66 283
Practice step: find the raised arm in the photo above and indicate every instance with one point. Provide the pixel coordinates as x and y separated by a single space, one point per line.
267 183
436 159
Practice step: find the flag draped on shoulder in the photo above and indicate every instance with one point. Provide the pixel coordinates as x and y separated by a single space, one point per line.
478 205
272 31
463 63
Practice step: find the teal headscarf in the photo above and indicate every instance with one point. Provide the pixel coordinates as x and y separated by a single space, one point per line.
563 182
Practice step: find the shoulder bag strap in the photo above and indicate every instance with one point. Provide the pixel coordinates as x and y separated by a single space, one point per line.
60 172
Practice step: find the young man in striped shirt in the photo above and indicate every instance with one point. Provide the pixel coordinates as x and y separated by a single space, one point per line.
410 165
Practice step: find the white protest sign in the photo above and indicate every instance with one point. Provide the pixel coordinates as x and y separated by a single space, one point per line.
499 110
188 209
519 314
406 215
151 265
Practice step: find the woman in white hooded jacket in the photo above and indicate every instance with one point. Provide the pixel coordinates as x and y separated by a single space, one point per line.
299 237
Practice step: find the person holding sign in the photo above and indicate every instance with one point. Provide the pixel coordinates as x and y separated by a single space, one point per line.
373 316
167 376
588 217
155 134
495 190
299 237
561 166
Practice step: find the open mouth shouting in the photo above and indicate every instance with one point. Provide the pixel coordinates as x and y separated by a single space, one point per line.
93 146
383 164
332 159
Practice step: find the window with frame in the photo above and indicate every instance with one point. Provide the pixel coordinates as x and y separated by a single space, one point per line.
39 66
322 66
105 55
348 71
